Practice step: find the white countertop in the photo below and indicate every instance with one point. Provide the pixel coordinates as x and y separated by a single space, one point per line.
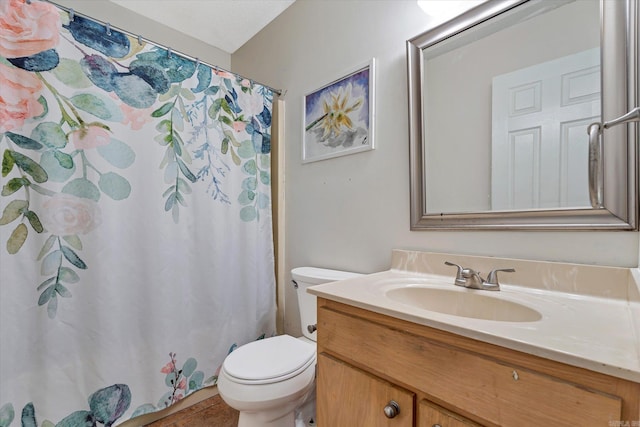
598 333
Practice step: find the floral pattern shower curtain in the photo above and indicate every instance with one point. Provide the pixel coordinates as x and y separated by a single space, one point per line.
136 241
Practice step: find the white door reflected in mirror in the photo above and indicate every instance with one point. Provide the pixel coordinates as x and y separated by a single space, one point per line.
539 150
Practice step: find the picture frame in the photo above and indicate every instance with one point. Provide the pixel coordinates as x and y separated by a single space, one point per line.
339 117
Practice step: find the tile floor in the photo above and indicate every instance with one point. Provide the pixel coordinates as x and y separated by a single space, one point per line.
212 412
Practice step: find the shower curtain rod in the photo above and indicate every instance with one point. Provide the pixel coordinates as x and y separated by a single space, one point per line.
170 51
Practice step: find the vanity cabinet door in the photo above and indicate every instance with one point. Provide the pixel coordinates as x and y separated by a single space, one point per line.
349 397
432 415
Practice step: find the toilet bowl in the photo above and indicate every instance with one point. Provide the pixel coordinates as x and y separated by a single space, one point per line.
267 380
270 381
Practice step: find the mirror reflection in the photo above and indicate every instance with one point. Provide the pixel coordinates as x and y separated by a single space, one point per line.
506 105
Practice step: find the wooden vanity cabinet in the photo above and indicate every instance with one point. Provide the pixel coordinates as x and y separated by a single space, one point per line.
366 360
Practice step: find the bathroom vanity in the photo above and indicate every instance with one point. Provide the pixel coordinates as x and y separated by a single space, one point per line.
391 362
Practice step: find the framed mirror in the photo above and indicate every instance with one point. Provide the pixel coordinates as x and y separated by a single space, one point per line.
500 101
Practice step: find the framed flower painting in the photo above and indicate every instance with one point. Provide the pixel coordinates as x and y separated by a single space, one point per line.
339 116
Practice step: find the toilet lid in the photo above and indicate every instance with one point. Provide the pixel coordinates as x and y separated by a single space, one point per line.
269 360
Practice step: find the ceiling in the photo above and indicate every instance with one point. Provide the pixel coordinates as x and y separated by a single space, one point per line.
225 24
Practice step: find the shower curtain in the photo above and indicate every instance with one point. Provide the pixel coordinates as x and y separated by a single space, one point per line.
136 238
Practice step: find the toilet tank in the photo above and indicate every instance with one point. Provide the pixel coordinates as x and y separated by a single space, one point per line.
303 277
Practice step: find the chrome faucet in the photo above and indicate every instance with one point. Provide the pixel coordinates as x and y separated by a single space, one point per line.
469 278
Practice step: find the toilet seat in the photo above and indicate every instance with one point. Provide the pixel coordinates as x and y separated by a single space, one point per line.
269 360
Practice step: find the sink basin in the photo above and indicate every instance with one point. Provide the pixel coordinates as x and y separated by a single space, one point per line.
463 303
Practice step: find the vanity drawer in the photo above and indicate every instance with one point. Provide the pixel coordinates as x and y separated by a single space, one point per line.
485 389
430 415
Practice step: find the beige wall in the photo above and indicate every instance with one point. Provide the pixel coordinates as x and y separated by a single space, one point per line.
349 212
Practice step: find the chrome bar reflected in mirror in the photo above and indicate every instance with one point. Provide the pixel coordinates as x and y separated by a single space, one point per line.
596 181
596 169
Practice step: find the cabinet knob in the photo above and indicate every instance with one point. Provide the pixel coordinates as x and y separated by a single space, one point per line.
392 409
312 328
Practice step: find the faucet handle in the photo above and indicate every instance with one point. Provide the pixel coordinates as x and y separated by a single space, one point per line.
460 280
492 278
472 278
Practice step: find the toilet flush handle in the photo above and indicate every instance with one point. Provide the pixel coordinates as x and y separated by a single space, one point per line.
312 328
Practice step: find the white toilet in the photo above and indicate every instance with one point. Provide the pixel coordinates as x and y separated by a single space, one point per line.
271 380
